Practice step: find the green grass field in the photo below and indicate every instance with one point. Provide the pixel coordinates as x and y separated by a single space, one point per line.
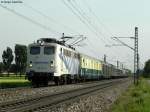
135 99
13 81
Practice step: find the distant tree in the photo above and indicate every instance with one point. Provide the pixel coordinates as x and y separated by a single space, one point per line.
13 68
20 58
7 58
147 68
1 67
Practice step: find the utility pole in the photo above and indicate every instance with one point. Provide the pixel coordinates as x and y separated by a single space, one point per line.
117 64
136 54
104 58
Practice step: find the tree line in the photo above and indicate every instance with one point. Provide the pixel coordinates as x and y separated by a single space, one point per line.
20 59
147 69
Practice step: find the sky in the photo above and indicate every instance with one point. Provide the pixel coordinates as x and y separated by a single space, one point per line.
98 20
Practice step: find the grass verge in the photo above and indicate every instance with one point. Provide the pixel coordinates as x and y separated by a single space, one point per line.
11 82
135 99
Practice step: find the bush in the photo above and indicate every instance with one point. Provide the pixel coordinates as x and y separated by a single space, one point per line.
136 99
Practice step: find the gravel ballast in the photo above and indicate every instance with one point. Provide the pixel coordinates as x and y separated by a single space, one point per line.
12 94
23 93
99 101
95 102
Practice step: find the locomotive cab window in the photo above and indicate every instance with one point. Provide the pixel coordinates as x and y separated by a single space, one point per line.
35 50
49 50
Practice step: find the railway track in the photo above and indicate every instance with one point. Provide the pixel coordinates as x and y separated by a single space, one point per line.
47 101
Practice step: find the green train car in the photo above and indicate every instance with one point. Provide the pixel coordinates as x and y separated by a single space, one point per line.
95 69
90 68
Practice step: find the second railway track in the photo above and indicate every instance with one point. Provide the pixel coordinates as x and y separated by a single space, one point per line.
47 101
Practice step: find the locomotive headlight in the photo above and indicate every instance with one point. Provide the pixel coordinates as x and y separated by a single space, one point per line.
51 63
30 65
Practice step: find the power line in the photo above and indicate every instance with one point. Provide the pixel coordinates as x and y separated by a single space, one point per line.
50 18
73 11
26 18
30 20
81 12
81 19
98 19
136 54
87 20
82 22
93 52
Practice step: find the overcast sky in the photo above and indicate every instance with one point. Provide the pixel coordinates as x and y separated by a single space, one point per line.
100 20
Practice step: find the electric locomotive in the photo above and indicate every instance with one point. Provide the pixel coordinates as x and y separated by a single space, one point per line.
51 60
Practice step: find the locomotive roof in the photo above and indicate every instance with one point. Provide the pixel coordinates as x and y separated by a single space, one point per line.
53 40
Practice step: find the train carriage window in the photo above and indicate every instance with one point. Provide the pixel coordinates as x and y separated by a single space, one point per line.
35 50
83 60
69 53
61 50
49 50
64 52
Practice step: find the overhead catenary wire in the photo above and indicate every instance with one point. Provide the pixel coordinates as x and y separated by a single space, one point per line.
91 11
94 15
79 16
43 26
99 21
98 34
80 12
91 50
42 14
87 18
97 18
51 19
30 20
91 25
83 21
94 26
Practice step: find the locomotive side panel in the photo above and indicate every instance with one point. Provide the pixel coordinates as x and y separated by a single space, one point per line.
67 61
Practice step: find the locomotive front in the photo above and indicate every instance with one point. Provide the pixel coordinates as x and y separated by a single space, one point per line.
41 62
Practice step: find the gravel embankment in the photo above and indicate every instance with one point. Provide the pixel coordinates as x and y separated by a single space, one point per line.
99 101
11 94
22 93
96 102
